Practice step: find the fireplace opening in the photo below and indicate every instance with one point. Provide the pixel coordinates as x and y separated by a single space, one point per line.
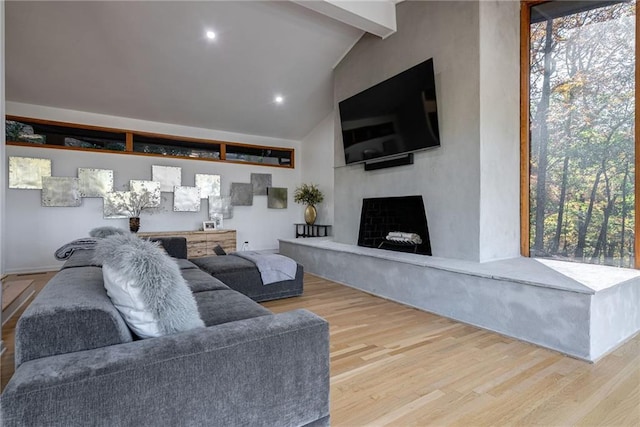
395 223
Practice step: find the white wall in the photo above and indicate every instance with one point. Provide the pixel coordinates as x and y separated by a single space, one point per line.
2 156
35 232
448 177
317 166
499 130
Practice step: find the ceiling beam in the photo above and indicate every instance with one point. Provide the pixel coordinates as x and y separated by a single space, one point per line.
373 16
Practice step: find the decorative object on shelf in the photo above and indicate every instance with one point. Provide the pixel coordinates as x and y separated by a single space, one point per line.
134 224
260 182
209 185
208 225
310 195
186 199
220 205
26 173
60 191
218 219
241 194
277 197
95 182
152 187
169 177
21 132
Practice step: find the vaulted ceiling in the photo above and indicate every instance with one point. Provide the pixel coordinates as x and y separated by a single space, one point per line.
153 61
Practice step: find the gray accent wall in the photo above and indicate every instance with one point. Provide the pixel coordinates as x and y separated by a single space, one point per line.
499 130
470 183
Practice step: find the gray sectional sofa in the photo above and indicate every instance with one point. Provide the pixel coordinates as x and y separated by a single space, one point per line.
243 276
78 364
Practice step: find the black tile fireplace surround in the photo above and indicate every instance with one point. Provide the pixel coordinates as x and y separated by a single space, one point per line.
382 215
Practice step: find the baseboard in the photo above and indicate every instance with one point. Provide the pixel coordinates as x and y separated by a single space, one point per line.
24 271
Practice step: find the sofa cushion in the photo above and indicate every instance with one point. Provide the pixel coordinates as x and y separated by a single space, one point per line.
175 246
72 313
199 281
146 286
185 264
225 264
225 305
243 276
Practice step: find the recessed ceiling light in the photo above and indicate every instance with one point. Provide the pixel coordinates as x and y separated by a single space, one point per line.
278 99
211 35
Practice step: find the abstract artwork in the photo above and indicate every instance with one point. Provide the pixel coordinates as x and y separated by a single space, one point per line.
112 203
276 198
186 199
151 187
260 182
220 205
209 185
168 177
27 173
241 194
61 191
95 182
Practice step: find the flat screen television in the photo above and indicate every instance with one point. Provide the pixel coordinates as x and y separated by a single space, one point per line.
394 117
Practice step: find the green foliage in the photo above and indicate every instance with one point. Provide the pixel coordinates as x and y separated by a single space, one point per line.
308 194
582 136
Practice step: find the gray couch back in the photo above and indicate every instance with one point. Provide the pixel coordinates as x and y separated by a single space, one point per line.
72 313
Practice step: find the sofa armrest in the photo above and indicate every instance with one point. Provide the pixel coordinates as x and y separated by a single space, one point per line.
268 370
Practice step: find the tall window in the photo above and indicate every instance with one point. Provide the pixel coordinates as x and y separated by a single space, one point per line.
581 131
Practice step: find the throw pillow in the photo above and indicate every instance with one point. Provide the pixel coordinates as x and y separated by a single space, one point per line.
218 250
146 286
102 232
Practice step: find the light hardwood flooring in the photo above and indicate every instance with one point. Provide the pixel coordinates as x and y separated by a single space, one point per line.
396 365
8 329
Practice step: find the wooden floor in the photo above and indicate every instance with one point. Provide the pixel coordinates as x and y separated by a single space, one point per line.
6 362
395 365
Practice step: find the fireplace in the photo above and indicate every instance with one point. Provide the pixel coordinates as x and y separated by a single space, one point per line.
383 215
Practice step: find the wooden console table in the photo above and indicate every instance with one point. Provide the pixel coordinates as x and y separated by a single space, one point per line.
201 243
314 230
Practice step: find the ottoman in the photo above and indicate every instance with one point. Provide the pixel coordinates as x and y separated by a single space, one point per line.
243 276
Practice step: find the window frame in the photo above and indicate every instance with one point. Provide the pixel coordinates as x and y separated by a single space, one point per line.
525 164
130 136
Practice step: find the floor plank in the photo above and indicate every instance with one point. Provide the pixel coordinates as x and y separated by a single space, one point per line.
395 365
398 366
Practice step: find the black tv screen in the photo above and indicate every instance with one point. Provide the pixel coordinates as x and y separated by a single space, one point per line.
396 116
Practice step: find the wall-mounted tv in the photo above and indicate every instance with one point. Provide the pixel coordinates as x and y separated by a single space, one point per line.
396 116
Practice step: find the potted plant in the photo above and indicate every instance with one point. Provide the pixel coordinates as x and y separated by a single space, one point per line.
310 195
133 203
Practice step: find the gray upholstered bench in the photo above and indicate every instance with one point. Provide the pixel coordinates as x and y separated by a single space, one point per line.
243 276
